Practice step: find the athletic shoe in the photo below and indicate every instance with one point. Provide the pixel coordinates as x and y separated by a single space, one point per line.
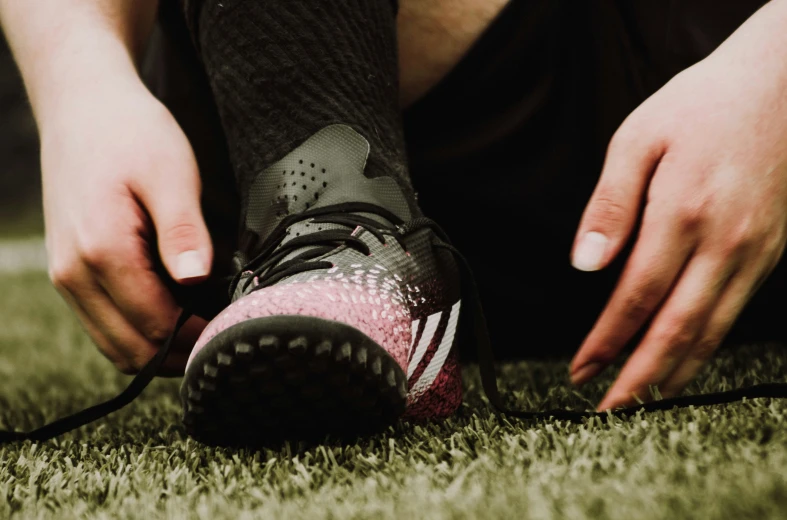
344 320
343 314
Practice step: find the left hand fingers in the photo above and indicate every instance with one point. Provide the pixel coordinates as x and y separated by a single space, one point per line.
675 330
611 213
655 264
740 290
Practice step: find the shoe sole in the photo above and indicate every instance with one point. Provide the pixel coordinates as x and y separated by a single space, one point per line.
290 378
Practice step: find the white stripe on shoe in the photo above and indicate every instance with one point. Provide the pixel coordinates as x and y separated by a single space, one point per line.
413 334
438 360
426 338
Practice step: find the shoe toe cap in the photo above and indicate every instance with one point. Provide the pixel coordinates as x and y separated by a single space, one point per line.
379 316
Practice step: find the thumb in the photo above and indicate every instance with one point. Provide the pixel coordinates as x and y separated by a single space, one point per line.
173 202
613 208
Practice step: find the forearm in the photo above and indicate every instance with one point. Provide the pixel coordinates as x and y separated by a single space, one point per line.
62 46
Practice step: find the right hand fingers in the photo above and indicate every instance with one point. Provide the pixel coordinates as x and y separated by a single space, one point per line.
100 191
117 339
124 272
131 320
172 198
139 296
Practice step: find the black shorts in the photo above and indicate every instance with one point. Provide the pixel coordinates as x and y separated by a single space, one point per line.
507 149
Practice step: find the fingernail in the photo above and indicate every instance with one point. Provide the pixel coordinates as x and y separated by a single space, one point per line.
190 265
583 374
608 403
590 252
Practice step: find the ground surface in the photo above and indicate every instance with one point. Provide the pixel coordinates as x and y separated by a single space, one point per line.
722 462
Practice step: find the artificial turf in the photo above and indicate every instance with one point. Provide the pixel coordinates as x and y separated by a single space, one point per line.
726 461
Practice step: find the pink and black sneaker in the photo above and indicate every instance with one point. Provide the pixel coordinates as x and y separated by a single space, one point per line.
343 316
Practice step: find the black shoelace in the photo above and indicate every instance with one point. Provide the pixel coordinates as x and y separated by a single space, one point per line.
269 271
319 243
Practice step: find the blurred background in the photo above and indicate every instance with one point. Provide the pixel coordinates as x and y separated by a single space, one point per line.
20 181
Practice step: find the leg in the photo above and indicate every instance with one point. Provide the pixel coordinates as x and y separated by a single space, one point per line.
281 70
344 311
432 39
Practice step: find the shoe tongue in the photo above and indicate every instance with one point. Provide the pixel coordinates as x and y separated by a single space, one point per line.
326 169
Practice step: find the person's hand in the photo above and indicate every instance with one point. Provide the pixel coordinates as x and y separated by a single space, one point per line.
707 157
118 173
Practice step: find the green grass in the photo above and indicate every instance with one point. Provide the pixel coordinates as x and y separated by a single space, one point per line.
721 462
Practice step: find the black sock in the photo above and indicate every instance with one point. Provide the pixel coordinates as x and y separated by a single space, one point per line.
281 70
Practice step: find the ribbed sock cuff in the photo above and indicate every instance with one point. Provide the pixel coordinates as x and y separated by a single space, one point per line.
281 70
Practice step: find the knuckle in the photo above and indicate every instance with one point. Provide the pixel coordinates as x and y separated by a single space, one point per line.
738 245
625 136
63 274
121 363
706 347
607 353
676 337
183 235
636 310
157 333
608 207
691 217
125 367
743 237
140 360
639 305
128 362
95 253
678 333
773 247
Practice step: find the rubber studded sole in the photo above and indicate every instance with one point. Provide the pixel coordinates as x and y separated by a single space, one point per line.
290 378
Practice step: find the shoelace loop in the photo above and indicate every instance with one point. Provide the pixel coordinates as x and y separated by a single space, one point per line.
267 266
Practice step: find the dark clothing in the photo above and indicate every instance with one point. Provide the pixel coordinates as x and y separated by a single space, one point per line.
507 149
506 152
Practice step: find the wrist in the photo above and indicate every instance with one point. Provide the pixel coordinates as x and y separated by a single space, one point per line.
759 45
78 69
